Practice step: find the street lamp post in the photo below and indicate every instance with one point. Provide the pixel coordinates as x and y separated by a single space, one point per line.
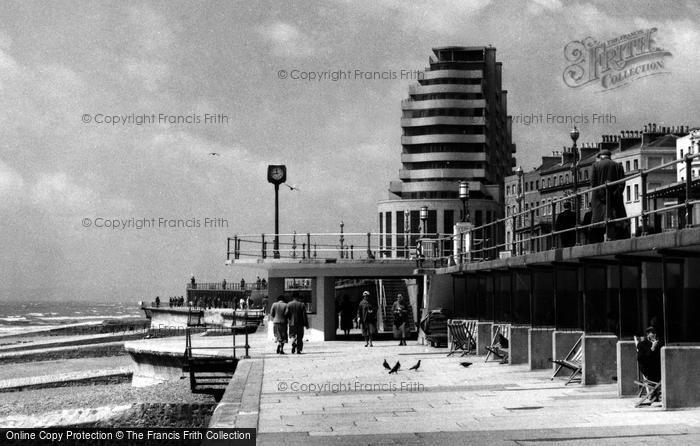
423 220
519 199
464 196
574 172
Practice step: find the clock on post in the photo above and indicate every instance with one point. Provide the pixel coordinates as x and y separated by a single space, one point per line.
276 174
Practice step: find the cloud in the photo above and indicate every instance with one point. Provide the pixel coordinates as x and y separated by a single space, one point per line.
11 183
537 7
57 192
442 16
287 40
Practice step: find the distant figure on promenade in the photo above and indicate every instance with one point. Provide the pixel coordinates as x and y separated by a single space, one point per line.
566 220
264 284
242 304
157 301
400 311
193 282
278 316
298 320
242 283
367 315
604 171
223 284
258 283
265 304
346 314
649 355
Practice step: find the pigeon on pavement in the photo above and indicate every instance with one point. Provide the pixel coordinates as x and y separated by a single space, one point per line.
386 365
395 368
415 367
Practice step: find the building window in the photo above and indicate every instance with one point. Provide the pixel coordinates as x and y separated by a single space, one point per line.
627 166
629 194
682 153
537 184
381 231
449 221
585 174
526 186
531 184
636 192
566 178
549 182
636 165
389 230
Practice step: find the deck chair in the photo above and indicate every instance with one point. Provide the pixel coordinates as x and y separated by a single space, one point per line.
499 347
461 338
649 392
573 361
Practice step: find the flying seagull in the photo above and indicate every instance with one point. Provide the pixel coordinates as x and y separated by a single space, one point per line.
214 154
395 368
415 367
292 187
386 365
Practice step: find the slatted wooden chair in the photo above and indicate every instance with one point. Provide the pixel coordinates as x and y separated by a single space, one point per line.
500 344
461 337
573 361
649 392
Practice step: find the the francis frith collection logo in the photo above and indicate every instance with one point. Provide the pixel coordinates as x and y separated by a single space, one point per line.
616 62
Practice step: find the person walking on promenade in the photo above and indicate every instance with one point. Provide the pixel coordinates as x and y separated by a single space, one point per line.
193 282
298 320
223 284
242 284
400 312
346 313
367 315
604 171
566 220
278 316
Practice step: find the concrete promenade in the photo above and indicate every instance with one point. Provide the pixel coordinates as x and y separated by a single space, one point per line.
337 392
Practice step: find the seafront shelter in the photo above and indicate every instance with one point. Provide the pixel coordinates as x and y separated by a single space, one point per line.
603 294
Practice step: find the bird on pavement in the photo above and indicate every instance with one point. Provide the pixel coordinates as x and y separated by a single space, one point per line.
395 368
386 365
415 367
465 364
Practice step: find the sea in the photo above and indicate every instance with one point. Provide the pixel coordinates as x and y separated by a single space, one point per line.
18 317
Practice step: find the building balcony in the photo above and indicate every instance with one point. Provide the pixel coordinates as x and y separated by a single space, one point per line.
438 174
443 138
459 74
436 186
442 156
445 120
443 88
410 104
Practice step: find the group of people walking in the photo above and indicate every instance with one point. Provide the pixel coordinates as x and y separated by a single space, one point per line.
289 321
367 317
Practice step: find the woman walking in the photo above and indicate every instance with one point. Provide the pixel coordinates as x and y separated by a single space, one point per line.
368 319
400 312
346 315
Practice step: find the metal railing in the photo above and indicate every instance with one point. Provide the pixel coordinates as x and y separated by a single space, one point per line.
342 246
489 250
229 286
484 242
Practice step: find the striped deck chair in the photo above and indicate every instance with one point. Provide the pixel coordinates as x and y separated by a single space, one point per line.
461 337
573 361
499 347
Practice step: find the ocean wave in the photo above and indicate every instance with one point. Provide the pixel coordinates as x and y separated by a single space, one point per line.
95 317
35 314
13 319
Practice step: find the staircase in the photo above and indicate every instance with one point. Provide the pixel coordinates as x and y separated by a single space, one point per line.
392 287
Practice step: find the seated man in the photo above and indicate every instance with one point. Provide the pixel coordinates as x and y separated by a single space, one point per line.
649 359
649 355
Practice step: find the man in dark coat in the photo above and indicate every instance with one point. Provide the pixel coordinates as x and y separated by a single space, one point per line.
606 170
649 355
566 220
298 320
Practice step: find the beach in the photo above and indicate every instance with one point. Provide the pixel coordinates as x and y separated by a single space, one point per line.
72 370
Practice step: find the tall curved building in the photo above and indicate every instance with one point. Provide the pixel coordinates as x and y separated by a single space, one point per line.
455 127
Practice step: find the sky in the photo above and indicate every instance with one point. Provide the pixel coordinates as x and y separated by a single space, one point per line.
67 67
